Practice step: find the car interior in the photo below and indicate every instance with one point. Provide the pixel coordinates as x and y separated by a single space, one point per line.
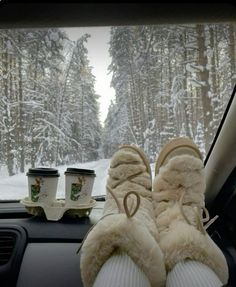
37 252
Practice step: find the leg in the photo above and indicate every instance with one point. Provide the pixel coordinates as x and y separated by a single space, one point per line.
192 273
120 270
128 224
181 216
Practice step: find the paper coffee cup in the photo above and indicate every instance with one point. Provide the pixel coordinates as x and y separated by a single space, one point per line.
79 185
42 185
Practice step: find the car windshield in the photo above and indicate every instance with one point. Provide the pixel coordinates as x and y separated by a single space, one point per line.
69 97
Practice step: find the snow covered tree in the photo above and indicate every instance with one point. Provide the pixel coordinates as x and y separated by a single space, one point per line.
174 76
204 89
199 139
169 80
8 98
82 101
38 124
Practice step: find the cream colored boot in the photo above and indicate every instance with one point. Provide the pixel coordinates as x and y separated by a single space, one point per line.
128 224
178 198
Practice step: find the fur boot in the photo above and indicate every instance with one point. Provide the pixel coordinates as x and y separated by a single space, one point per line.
178 198
128 224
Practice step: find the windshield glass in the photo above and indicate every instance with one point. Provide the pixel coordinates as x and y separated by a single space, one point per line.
70 96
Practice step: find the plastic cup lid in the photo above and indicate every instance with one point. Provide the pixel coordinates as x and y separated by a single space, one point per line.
80 171
43 171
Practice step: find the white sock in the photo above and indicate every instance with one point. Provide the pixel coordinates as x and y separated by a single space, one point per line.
120 271
192 273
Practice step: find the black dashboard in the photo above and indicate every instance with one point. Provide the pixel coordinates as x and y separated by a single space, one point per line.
37 252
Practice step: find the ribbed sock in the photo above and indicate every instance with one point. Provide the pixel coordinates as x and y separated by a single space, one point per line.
120 271
190 273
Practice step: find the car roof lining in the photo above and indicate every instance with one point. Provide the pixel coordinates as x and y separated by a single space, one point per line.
22 15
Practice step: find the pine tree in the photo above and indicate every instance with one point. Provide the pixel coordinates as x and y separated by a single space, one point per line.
199 139
167 75
83 100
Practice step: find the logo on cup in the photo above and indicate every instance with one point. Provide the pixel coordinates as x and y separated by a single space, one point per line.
35 189
42 184
76 188
79 185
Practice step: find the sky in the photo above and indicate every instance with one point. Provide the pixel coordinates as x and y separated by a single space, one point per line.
98 55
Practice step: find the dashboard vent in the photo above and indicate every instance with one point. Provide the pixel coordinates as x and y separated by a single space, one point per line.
7 244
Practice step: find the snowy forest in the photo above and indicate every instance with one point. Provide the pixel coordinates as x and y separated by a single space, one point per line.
48 106
169 80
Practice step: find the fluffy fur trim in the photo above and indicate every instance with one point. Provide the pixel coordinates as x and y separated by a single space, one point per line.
117 233
181 174
180 240
123 171
124 156
183 241
145 214
126 187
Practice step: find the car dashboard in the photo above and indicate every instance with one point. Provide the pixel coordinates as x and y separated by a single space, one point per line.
38 252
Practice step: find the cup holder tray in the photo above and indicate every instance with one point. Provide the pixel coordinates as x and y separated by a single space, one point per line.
58 208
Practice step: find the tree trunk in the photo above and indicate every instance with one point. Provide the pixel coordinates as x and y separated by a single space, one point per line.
205 88
216 103
8 122
136 119
185 100
33 141
20 111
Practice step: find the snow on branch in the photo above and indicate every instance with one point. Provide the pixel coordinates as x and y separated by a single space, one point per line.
194 68
196 83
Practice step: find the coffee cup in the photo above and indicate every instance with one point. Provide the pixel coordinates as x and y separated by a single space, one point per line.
42 185
79 186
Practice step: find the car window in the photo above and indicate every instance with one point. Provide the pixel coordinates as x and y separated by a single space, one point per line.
70 96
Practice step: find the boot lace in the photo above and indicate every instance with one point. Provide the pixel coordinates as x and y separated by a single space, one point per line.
129 211
199 212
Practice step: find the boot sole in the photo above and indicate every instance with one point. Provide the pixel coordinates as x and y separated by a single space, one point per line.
142 155
183 144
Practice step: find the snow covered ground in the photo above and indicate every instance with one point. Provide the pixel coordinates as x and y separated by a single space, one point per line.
16 187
